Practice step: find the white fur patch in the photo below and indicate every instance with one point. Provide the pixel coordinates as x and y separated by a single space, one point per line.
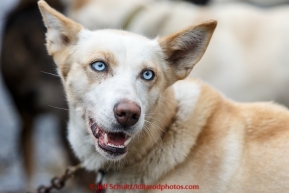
233 154
187 94
82 142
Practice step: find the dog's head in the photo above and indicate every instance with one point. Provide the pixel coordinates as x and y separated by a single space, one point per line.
114 78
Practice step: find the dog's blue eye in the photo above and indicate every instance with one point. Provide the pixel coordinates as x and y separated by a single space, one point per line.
98 66
148 75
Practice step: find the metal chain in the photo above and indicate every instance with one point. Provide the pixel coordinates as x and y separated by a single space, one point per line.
58 183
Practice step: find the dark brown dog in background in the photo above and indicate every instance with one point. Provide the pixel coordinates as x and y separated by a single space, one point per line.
23 63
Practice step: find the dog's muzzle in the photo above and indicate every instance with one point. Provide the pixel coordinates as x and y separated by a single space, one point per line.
113 143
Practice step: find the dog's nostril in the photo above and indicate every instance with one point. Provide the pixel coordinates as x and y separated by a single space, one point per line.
122 114
127 113
135 116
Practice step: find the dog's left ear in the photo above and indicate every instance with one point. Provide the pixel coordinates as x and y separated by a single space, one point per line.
185 48
61 31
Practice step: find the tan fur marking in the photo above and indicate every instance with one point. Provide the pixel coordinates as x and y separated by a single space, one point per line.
109 58
64 70
270 127
97 77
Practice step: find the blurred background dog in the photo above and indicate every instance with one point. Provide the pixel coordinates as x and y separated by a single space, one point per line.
261 3
246 60
31 80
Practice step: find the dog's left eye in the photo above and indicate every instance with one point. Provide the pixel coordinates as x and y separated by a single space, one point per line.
98 66
148 75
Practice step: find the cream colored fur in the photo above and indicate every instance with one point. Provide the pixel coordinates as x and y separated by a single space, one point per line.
247 60
263 3
187 134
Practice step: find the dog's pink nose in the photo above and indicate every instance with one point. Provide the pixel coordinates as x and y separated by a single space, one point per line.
127 112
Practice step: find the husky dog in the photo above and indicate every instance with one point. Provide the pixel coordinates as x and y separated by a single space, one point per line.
133 114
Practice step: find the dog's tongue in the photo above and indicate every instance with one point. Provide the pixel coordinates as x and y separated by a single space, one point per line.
115 139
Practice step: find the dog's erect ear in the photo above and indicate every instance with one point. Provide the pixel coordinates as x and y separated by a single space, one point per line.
185 48
61 31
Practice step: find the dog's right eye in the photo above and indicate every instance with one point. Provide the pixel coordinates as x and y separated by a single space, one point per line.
98 66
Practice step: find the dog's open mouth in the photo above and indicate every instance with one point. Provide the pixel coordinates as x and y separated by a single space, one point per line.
114 143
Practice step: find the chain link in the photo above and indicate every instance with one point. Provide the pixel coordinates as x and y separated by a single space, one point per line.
58 183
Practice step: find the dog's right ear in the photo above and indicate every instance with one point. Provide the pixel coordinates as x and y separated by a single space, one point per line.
61 31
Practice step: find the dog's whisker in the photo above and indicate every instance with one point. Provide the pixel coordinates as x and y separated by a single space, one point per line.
139 136
148 122
154 114
160 141
155 125
50 73
159 120
58 108
151 136
147 131
154 136
93 123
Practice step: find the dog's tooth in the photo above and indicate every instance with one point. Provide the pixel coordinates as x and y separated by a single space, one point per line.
117 146
127 141
105 138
